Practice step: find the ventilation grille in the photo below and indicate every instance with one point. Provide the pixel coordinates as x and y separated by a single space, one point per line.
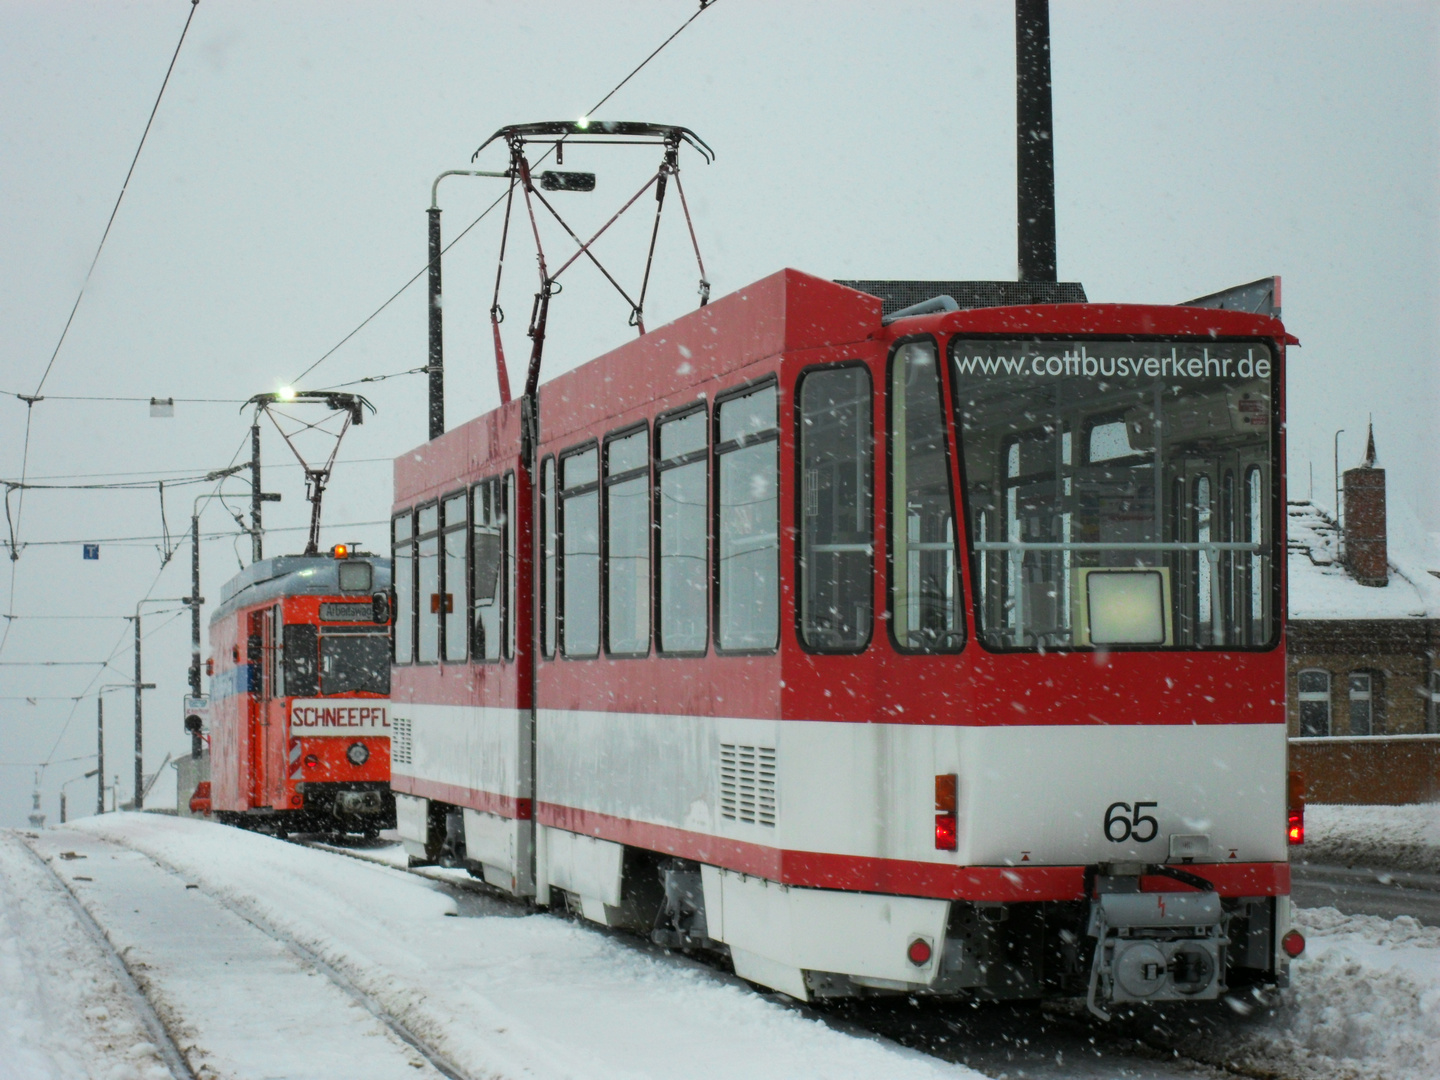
747 783
400 741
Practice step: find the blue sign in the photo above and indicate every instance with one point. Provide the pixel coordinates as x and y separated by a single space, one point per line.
92 551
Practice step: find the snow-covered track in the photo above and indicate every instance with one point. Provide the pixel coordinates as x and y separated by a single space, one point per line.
134 988
312 959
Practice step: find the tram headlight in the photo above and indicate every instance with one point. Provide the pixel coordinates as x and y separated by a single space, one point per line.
358 754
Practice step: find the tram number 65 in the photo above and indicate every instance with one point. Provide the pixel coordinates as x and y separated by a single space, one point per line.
1121 826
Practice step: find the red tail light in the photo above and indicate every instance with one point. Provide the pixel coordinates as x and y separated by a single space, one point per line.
1293 943
919 952
1295 819
947 828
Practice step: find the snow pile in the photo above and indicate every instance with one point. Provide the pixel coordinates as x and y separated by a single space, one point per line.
1320 588
1391 837
63 1010
502 993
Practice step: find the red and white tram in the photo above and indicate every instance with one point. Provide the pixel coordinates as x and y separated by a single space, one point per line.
300 729
937 653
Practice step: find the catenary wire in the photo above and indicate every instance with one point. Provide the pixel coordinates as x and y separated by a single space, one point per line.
705 5
40 386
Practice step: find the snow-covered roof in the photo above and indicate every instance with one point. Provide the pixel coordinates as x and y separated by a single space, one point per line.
1321 587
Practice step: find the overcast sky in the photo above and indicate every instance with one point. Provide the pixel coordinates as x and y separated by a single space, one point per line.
281 196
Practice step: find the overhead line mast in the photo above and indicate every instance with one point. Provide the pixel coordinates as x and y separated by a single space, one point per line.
1034 142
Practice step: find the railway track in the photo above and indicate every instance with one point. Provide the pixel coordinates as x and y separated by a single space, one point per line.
997 1039
308 959
134 989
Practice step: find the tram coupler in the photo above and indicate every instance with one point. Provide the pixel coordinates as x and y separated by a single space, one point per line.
1157 946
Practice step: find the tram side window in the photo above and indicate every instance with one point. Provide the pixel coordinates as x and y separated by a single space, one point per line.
1314 695
452 600
488 543
427 575
300 664
402 547
924 571
627 544
684 580
580 553
549 558
747 454
836 541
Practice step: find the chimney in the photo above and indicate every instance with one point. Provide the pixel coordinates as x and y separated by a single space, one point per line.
1365 553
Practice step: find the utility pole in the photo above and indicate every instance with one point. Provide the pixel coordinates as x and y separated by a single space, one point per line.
437 333
100 752
256 495
1034 142
195 601
139 722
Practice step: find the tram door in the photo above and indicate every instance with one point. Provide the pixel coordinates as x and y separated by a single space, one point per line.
267 707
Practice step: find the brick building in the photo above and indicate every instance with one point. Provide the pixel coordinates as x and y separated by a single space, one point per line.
1364 653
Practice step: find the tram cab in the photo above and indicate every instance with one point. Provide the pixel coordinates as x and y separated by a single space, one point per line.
300 730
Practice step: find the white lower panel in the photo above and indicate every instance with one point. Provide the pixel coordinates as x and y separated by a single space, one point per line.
583 865
411 818
478 748
798 930
1034 795
503 845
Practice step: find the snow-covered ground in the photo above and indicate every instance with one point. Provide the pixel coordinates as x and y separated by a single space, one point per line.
495 991
1389 837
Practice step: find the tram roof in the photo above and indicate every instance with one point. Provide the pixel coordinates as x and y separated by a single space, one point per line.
294 575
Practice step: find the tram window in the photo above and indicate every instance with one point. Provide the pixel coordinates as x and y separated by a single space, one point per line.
580 554
924 572
684 580
427 575
453 574
300 660
353 660
1365 700
1169 476
747 454
836 540
487 582
511 574
627 544
1314 696
549 552
402 549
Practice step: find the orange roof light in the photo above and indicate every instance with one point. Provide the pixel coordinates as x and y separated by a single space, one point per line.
340 551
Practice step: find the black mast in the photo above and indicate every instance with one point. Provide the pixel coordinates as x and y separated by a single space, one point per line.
1034 145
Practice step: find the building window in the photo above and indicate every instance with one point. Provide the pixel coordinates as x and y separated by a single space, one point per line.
580 553
489 541
549 553
747 455
1314 686
836 539
924 573
627 544
681 516
402 547
452 600
427 575
1366 703
1435 701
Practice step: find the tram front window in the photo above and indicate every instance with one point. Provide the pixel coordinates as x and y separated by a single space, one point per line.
356 659
1118 493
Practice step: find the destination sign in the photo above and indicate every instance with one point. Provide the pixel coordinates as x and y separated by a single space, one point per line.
357 716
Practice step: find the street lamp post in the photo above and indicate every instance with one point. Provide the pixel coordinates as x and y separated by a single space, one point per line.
140 685
83 776
100 740
1337 489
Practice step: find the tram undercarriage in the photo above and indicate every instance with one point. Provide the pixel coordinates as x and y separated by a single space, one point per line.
355 808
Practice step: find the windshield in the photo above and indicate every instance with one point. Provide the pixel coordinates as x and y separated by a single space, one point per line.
1119 494
353 660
